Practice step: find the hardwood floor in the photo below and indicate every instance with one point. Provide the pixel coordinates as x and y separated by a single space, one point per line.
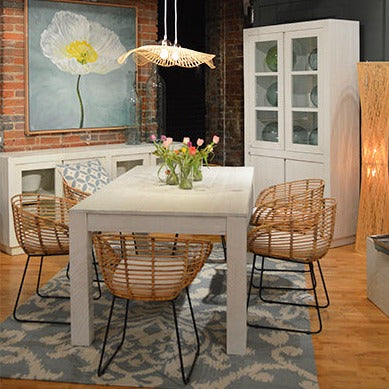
352 351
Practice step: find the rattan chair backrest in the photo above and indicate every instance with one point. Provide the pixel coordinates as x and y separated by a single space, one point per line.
286 193
143 267
73 193
303 232
42 223
292 190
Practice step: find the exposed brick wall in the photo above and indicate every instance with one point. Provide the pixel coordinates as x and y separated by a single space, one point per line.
224 92
12 78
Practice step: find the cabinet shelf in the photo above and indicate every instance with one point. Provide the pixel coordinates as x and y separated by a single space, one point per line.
266 74
304 109
304 73
262 108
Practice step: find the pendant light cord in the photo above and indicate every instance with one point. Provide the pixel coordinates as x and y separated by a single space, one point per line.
165 22
175 23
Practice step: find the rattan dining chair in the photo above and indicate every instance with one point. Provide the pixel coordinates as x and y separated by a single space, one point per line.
147 268
75 176
41 228
276 195
299 232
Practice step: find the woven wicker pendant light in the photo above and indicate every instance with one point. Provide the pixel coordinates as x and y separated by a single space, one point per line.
166 54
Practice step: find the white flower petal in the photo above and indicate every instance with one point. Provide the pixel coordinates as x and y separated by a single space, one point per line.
67 27
72 66
105 41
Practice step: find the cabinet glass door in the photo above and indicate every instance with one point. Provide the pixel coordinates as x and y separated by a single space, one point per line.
302 88
268 95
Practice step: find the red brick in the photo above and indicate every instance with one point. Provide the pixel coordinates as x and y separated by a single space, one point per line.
13 102
13 36
14 134
13 110
7 93
12 85
50 140
13 68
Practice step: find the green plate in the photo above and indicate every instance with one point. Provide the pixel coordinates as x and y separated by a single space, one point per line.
272 94
271 59
312 59
314 96
300 135
270 132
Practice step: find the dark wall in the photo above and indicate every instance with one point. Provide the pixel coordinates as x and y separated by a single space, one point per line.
185 88
372 15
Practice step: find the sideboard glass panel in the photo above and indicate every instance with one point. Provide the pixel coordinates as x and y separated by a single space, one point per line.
305 54
266 93
267 126
124 166
305 130
266 56
38 181
305 91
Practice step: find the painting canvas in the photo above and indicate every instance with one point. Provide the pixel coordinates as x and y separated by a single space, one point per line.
74 80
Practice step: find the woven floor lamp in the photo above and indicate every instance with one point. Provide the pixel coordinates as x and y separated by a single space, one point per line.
373 215
168 55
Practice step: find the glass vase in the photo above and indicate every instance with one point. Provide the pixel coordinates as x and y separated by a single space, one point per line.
198 171
186 177
133 131
167 173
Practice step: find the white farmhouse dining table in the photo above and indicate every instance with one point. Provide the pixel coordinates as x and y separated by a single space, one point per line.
220 204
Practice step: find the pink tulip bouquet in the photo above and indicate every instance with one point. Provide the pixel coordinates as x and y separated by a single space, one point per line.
163 150
187 157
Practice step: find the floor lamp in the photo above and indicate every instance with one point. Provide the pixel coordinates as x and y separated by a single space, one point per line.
373 216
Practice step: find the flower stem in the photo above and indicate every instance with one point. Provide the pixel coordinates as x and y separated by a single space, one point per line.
80 100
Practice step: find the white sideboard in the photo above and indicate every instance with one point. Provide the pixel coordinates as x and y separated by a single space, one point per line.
17 168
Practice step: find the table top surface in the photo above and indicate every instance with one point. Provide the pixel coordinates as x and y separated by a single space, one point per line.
224 191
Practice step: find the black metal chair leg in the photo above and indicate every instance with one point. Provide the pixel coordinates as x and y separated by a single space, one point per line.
324 287
185 378
18 297
224 244
97 279
316 301
175 243
251 281
97 276
38 285
316 306
67 271
102 368
266 300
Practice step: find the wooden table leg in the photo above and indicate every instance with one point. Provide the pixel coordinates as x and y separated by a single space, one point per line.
236 285
81 300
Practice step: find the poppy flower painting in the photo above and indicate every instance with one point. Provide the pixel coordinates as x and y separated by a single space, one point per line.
75 80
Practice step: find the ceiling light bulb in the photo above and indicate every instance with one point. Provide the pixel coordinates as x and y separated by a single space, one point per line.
175 55
164 54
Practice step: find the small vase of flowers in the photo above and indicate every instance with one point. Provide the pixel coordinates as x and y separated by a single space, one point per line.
187 157
167 172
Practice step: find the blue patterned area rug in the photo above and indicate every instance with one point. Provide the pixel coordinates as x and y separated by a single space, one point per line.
149 356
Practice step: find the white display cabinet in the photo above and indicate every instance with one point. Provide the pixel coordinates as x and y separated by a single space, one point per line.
302 110
35 171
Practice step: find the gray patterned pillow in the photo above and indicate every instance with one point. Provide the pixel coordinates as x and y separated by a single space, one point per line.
87 176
